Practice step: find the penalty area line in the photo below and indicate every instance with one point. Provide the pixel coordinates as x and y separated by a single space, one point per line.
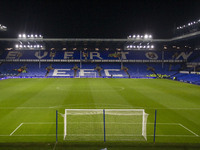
16 128
188 129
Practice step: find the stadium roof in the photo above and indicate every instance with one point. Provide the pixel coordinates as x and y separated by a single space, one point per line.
190 40
183 37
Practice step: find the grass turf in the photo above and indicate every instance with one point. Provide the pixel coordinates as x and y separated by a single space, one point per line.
27 106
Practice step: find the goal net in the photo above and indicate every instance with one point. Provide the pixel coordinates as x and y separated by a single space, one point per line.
105 124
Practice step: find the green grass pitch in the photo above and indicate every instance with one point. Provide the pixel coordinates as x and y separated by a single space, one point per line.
28 108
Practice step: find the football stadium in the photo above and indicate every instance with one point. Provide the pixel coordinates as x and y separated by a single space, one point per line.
138 92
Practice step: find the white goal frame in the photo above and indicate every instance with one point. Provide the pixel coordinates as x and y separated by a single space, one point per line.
144 118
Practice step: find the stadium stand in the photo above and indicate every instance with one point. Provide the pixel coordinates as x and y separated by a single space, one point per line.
116 64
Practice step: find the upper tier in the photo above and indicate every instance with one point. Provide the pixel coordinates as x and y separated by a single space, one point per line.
177 56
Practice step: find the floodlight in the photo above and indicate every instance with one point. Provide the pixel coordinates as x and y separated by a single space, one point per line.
38 46
36 35
16 45
131 46
32 35
150 36
20 46
146 36
138 36
152 46
19 35
3 28
188 24
134 36
24 35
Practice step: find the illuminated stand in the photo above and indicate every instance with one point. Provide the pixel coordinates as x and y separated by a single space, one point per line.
30 42
139 42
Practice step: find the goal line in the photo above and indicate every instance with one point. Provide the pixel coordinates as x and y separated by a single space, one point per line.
21 125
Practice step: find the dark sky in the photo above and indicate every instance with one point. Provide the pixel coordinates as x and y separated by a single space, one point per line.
96 18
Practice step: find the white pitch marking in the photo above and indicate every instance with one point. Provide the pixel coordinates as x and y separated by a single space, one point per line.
115 88
188 129
42 122
99 105
99 134
33 135
130 135
174 135
92 135
95 123
16 128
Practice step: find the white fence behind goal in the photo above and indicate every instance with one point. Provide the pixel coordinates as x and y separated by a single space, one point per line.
119 125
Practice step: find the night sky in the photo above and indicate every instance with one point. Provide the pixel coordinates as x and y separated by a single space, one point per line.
96 18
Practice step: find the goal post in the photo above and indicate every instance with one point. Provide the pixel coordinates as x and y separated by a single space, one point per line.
65 124
109 124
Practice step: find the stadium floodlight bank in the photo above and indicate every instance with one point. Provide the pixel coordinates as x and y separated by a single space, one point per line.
3 28
105 125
